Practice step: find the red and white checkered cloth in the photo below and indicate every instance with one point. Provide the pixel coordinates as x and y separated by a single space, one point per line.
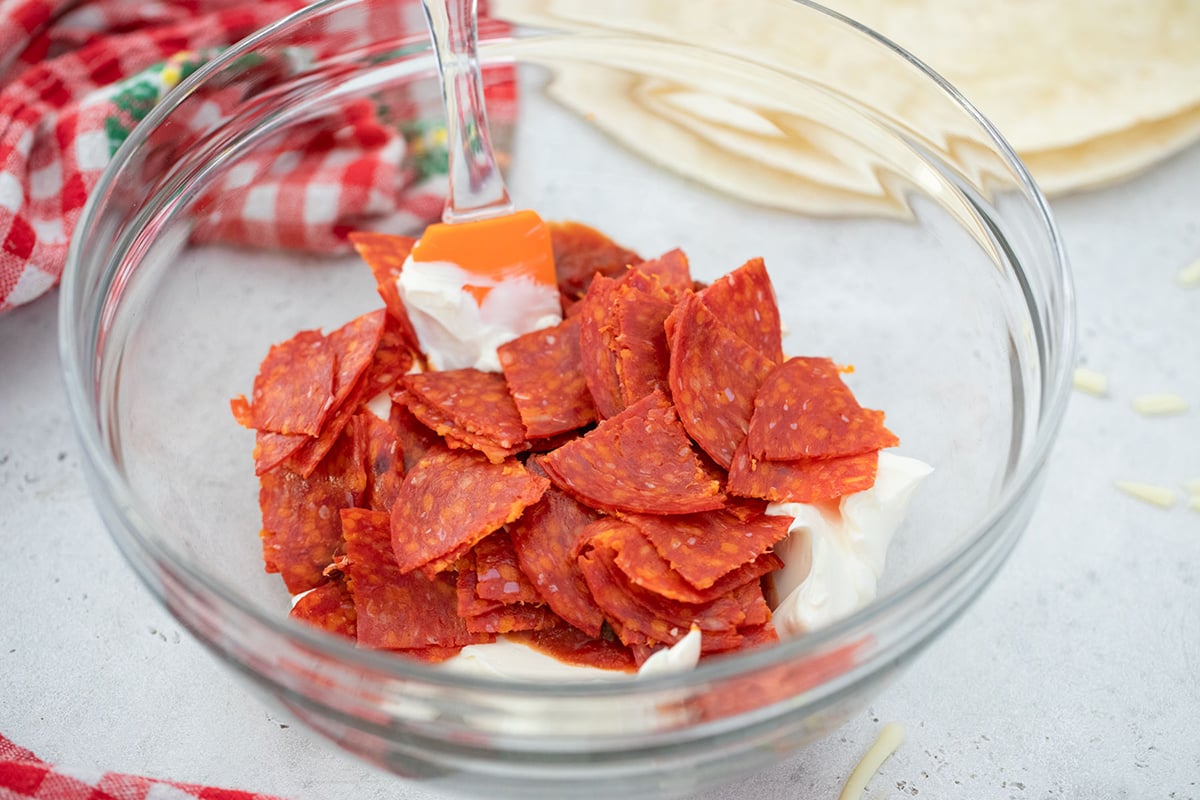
23 776
76 77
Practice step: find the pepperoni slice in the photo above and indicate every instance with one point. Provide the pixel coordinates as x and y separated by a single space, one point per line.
301 532
642 355
572 646
396 610
498 572
804 410
803 481
354 345
597 349
714 377
646 568
469 603
672 270
240 407
330 607
545 377
703 548
580 252
272 449
547 539
469 405
385 255
383 460
745 301
310 454
452 499
513 617
293 391
393 358
415 439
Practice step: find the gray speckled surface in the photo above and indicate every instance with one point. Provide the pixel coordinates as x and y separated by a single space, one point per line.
1076 674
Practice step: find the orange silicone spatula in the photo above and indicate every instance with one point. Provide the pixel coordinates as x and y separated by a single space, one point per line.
480 231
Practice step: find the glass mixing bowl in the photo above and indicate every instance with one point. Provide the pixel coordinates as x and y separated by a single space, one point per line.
902 234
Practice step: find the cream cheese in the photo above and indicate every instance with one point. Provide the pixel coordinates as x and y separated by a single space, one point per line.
455 331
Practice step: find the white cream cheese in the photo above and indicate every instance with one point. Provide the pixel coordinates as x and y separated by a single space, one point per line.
454 330
834 554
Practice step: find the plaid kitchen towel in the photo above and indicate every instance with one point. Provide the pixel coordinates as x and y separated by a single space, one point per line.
76 77
23 776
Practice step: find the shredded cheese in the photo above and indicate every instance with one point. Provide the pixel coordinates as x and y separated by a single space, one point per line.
1157 404
1148 492
1091 381
1189 276
889 739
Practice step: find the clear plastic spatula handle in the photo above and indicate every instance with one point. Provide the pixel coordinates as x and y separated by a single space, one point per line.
477 188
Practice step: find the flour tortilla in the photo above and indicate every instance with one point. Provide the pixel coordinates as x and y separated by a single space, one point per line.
1088 92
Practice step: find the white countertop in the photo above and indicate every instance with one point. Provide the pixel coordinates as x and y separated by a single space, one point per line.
1076 674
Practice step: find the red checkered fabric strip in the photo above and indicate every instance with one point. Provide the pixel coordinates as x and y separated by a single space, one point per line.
77 77
23 776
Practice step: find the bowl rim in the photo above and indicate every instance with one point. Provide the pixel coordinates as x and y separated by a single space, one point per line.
1055 386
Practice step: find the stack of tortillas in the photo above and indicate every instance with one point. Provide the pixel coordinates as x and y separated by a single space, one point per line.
1087 91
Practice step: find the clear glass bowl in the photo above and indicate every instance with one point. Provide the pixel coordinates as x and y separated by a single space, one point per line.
903 237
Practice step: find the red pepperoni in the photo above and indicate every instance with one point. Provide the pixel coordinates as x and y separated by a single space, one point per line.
469 603
395 610
703 548
804 410
637 557
354 345
330 607
498 572
572 646
581 252
415 439
671 269
804 481
302 532
470 406
450 500
385 255
383 460
272 449
640 460
714 377
745 301
513 617
642 355
393 357
597 350
293 391
547 539
310 454
546 380
240 407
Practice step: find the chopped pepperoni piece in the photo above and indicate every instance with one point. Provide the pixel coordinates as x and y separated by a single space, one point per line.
581 252
803 481
385 255
546 380
547 539
354 345
572 646
512 617
302 532
469 603
642 355
704 547
450 500
472 406
498 572
272 449
637 557
597 349
293 391
330 607
745 301
310 454
804 410
396 610
671 269
415 439
393 357
714 378
383 460
640 460
240 407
